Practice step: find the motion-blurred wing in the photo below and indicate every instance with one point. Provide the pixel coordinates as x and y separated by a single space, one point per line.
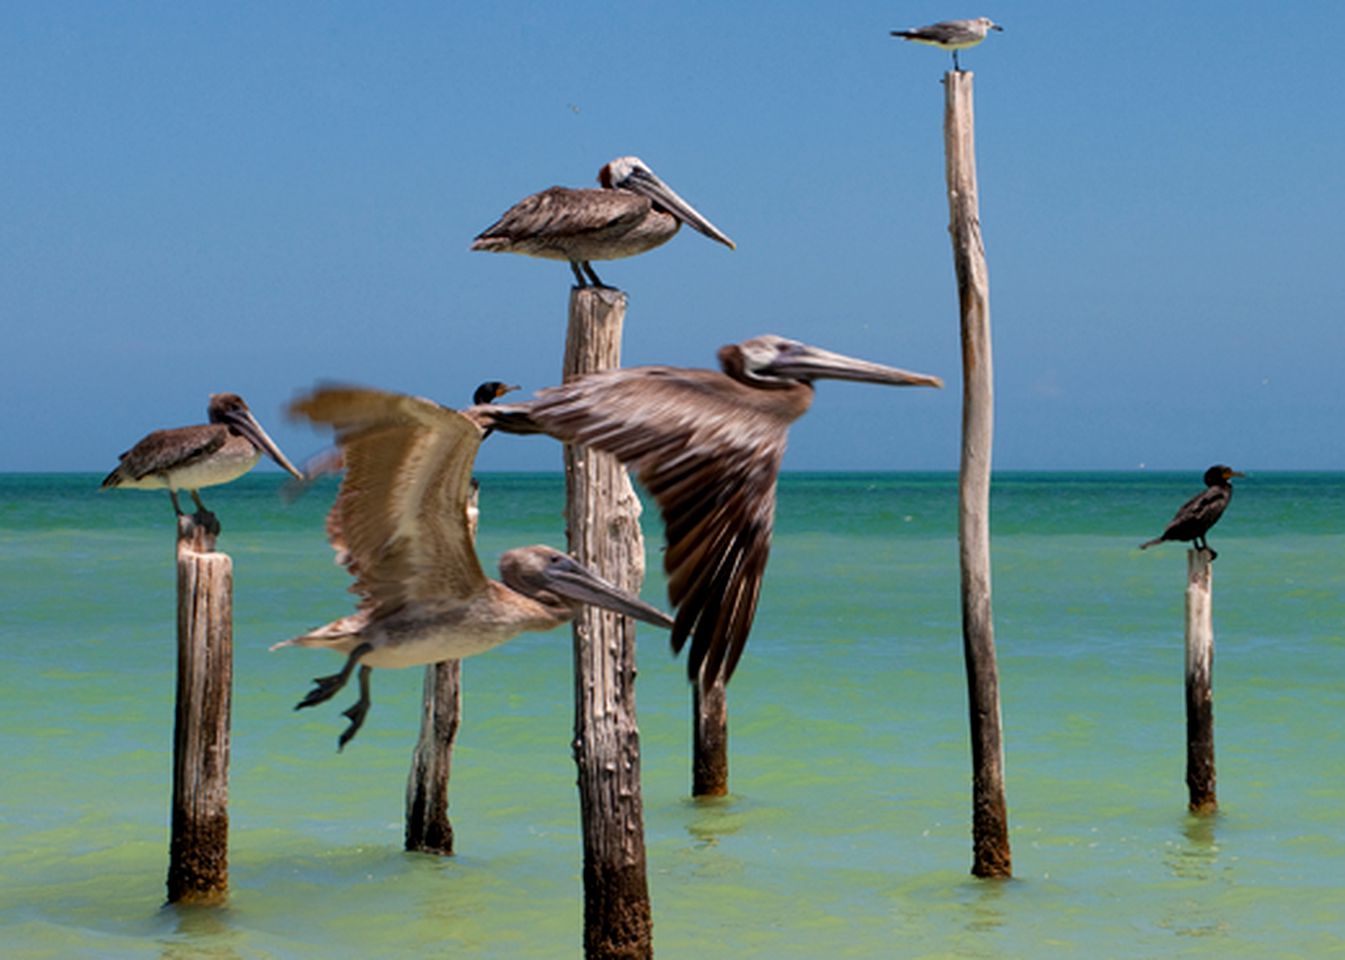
401 512
709 450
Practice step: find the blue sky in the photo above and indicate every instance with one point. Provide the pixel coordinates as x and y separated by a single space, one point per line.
256 196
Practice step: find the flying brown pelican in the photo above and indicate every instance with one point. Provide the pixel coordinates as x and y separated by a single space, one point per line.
401 523
708 447
1195 517
634 212
189 458
951 35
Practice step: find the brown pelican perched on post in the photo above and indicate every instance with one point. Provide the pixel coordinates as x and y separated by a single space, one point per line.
400 522
634 212
1195 517
708 447
189 458
951 35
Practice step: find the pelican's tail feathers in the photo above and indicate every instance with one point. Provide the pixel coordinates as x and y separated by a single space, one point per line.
1149 543
113 479
340 635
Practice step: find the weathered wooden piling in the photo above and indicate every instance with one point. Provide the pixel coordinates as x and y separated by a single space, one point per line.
709 739
428 829
990 828
198 868
603 521
1199 689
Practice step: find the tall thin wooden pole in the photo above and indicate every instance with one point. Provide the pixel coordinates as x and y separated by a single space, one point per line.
990 828
428 829
603 520
710 739
1199 691
198 867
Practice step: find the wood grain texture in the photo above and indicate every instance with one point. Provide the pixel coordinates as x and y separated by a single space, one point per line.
710 739
602 517
198 870
990 828
428 829
1200 779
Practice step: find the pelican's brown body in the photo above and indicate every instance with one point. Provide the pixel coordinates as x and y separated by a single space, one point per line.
632 213
708 446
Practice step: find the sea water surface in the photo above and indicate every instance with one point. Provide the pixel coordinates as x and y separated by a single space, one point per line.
847 833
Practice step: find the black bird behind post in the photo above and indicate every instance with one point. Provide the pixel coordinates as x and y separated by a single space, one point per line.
1197 515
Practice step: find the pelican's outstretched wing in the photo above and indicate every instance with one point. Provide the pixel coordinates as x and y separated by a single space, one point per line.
708 450
401 513
560 213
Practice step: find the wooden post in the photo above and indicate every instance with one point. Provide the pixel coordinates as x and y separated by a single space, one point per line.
602 516
427 826
428 829
990 829
1199 692
710 740
198 868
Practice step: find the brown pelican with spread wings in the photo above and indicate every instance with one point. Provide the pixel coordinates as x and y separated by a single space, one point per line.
634 212
400 525
707 446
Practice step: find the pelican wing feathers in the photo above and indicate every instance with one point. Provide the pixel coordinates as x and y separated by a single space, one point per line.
708 449
560 214
400 518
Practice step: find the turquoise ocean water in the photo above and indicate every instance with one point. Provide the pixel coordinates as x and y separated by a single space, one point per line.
847 834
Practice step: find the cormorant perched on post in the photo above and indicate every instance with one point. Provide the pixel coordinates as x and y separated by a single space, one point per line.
1202 511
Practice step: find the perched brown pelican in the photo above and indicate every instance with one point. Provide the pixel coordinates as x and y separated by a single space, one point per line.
1197 515
708 447
401 522
951 35
189 458
634 212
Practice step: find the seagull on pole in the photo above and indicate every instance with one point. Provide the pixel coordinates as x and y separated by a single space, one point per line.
951 35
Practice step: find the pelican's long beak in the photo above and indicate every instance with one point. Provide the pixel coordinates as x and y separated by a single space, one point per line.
571 579
646 183
996 26
804 362
247 425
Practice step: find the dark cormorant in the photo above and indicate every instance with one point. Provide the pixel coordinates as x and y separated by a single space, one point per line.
491 391
1202 511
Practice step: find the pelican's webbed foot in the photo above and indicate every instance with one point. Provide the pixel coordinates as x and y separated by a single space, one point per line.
357 711
326 687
